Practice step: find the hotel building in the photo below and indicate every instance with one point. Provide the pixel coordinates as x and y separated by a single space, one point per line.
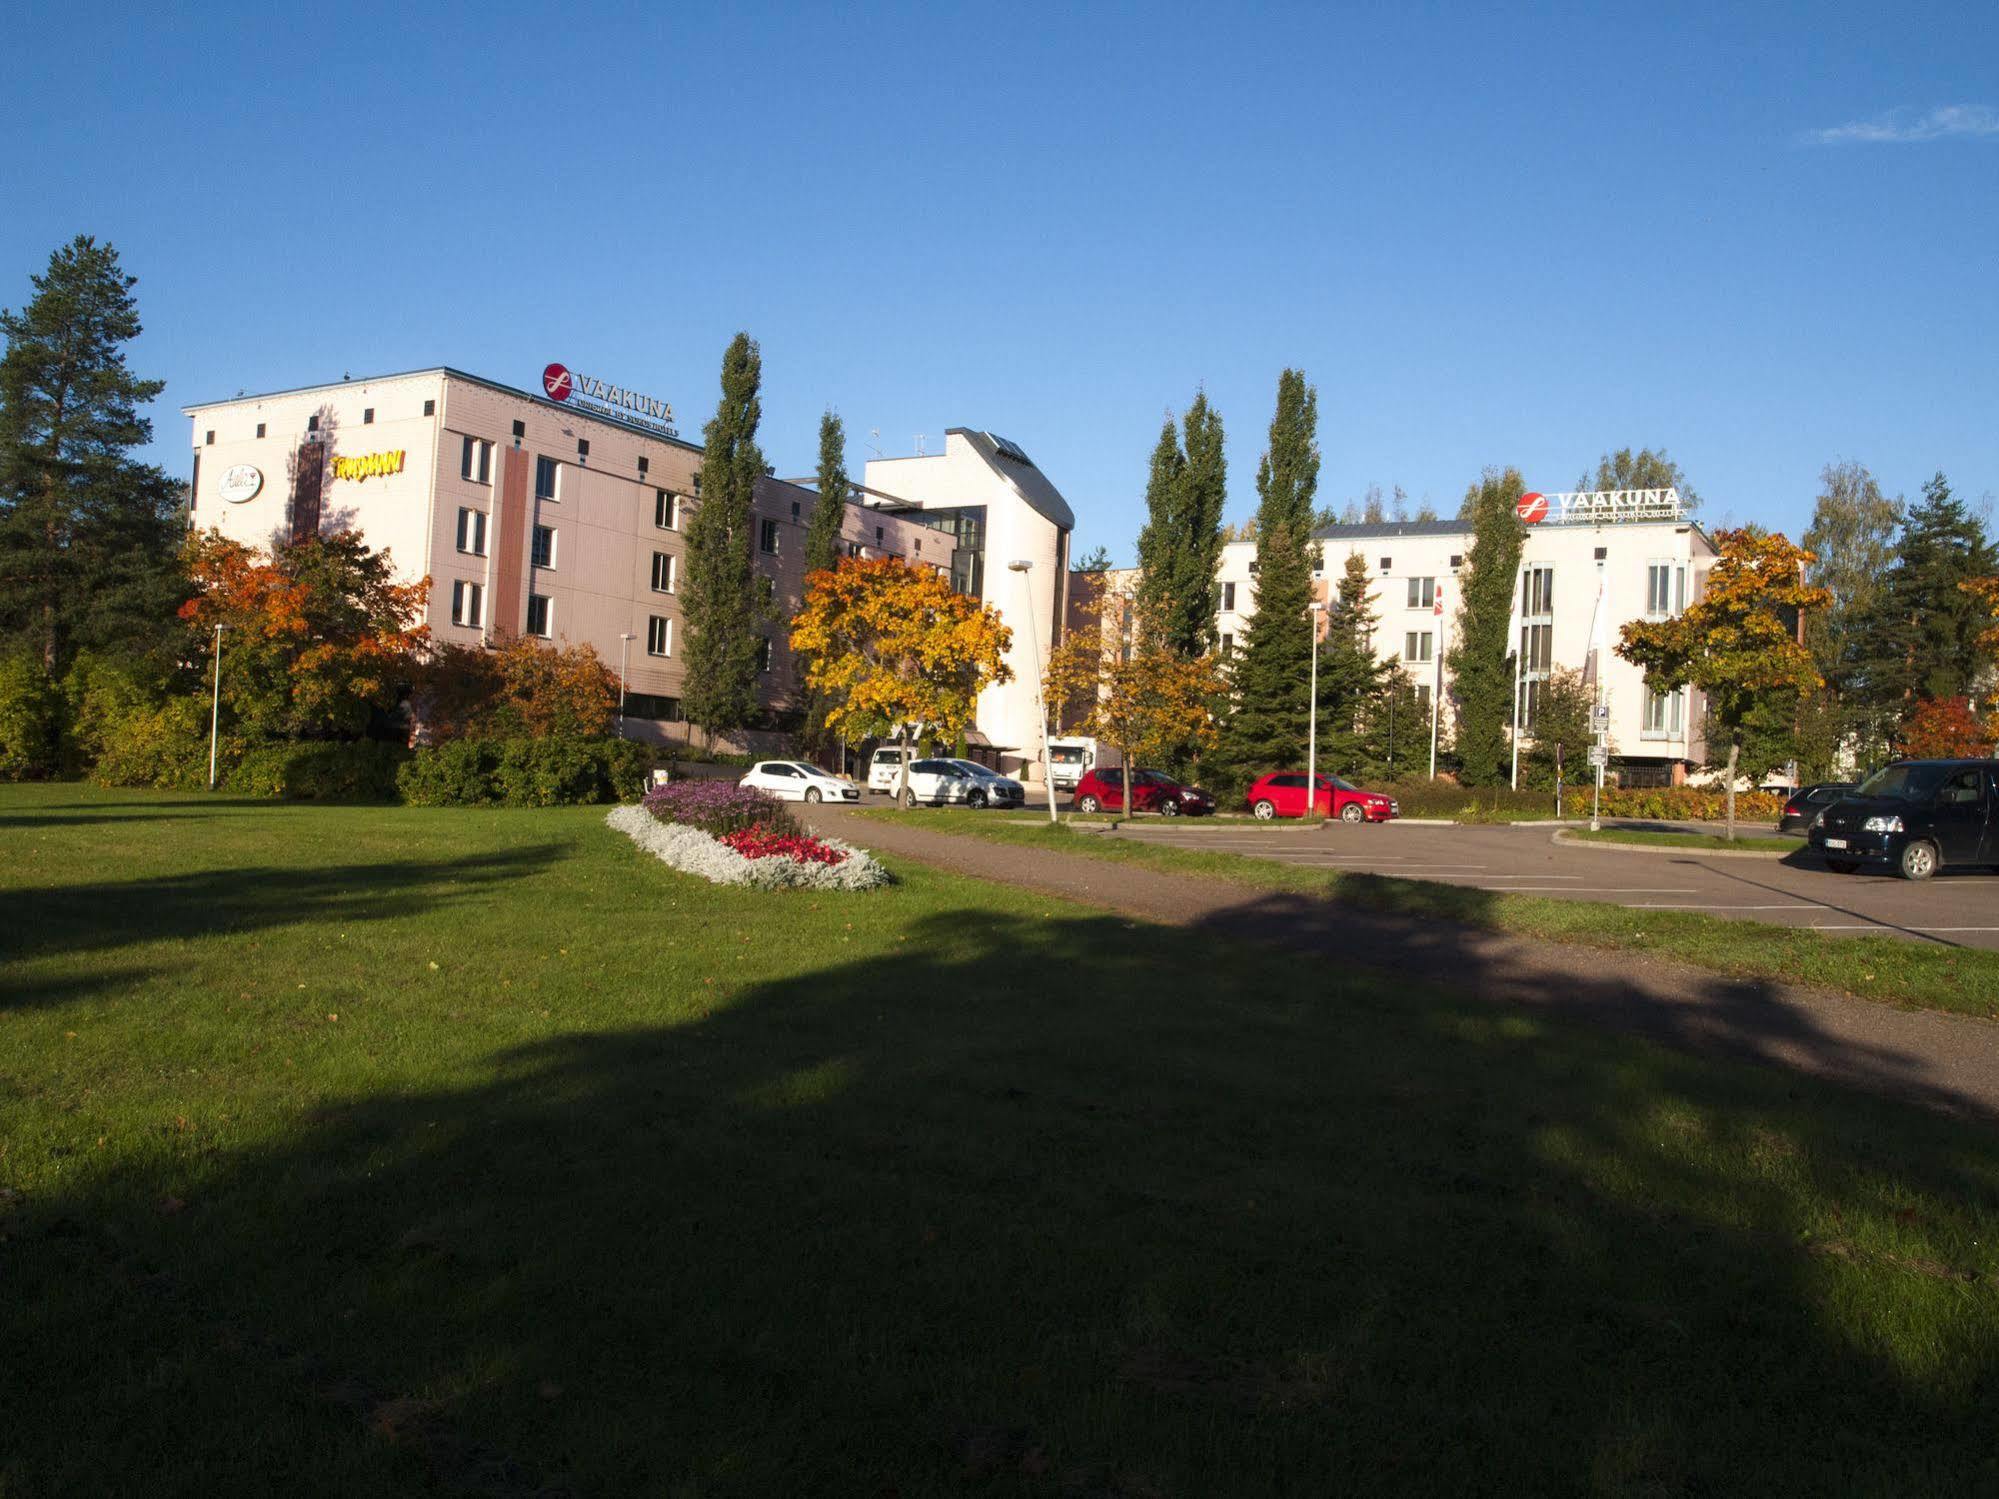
564 516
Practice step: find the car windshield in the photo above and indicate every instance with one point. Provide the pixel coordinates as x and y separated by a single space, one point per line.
1903 783
1340 783
1151 778
1066 754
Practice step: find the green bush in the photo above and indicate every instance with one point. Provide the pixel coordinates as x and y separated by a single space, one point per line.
359 771
164 747
550 772
97 693
1691 804
31 716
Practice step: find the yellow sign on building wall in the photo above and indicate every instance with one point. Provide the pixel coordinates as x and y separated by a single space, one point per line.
369 465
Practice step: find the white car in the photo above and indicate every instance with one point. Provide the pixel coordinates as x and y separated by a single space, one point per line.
938 783
991 789
885 767
796 781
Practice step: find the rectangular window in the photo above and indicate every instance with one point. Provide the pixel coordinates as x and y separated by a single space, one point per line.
794 510
545 470
211 437
1228 644
665 510
1387 564
1416 645
1658 588
543 554
472 532
520 430
260 429
662 572
768 537
467 604
312 422
697 486
1537 647
476 461
582 447
1422 593
1423 698
659 636
367 416
1540 596
1665 714
430 408
764 655
1228 598
540 615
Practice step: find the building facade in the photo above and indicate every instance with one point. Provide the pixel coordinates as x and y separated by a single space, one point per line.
531 515
1648 565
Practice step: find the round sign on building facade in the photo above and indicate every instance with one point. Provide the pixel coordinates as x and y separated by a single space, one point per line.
1532 508
240 483
555 380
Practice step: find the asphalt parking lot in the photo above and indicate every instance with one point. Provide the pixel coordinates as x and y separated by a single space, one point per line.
1955 908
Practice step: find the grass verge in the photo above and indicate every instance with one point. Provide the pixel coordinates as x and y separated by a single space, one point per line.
352 1150
1893 970
1775 844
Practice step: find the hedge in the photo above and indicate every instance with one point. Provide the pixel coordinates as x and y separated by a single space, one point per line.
525 772
358 771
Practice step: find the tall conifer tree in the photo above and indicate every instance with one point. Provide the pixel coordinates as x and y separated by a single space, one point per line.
721 601
1267 729
1925 639
88 534
1353 679
1480 653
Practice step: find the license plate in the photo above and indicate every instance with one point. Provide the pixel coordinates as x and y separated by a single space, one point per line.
1835 843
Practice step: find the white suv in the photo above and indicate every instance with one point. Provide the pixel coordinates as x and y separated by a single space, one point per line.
990 788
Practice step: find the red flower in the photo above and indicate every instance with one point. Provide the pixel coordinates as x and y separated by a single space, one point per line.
763 842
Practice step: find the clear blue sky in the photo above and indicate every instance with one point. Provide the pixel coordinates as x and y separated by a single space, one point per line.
1763 237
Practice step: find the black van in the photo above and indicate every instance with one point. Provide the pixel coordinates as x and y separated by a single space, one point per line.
1915 815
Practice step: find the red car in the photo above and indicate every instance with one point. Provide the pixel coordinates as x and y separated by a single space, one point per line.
1282 794
1151 791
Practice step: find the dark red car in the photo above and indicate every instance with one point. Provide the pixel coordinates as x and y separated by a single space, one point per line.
1151 791
1282 794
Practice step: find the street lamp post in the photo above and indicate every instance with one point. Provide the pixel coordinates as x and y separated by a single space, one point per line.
1025 568
624 647
215 708
1313 611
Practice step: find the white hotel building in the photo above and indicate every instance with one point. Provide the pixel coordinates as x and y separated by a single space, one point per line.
1651 562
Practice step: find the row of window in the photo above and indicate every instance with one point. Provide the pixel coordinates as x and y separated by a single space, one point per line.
1665 589
312 422
541 552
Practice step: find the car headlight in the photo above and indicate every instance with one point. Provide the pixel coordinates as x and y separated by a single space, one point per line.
1882 825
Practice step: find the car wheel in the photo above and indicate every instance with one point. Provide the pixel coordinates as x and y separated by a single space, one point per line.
1169 808
1264 810
1842 866
975 798
909 799
812 793
1918 861
1088 804
1352 812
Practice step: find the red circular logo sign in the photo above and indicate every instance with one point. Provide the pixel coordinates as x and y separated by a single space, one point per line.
555 380
1532 508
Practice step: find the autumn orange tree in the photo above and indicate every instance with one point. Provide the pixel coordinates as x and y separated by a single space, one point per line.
1738 643
1120 683
892 649
1943 728
318 638
524 689
1986 592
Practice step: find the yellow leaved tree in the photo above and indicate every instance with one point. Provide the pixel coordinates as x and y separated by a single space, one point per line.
893 649
1115 679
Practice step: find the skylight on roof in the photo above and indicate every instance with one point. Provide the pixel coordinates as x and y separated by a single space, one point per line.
1010 449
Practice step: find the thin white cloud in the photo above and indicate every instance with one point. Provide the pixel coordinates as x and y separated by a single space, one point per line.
1901 126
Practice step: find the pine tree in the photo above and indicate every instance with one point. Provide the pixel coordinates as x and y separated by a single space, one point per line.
88 535
1267 729
721 601
1925 642
1481 679
1353 679
822 536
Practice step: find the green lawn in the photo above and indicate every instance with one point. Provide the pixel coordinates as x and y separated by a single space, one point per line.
1774 844
1913 975
608 1182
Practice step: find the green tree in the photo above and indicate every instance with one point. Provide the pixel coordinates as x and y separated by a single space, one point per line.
89 536
1737 643
1561 725
1096 560
1481 678
1852 542
1181 546
1925 641
1354 682
1645 469
721 600
822 536
1267 728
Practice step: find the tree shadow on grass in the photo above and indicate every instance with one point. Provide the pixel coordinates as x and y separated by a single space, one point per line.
63 920
1030 1208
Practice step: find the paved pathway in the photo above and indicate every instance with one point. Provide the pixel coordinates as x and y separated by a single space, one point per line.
1947 1062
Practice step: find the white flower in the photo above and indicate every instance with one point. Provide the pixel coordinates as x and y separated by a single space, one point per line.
692 851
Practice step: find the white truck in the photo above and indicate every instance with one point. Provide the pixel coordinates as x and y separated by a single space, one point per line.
1068 758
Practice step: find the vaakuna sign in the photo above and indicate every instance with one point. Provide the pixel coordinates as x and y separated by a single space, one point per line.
601 398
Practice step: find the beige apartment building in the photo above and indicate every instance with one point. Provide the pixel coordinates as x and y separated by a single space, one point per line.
561 515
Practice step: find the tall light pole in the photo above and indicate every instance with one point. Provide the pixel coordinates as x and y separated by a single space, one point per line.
1313 611
1025 568
624 647
215 708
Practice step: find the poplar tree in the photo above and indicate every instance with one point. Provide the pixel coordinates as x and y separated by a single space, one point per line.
1180 549
1158 540
1480 653
822 536
1267 729
88 534
721 602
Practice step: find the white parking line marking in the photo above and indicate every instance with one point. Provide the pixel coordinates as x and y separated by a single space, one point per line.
1667 905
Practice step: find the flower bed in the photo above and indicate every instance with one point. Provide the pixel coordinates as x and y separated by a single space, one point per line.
717 807
762 856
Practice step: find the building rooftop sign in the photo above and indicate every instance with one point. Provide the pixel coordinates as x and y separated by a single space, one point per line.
1599 507
599 398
